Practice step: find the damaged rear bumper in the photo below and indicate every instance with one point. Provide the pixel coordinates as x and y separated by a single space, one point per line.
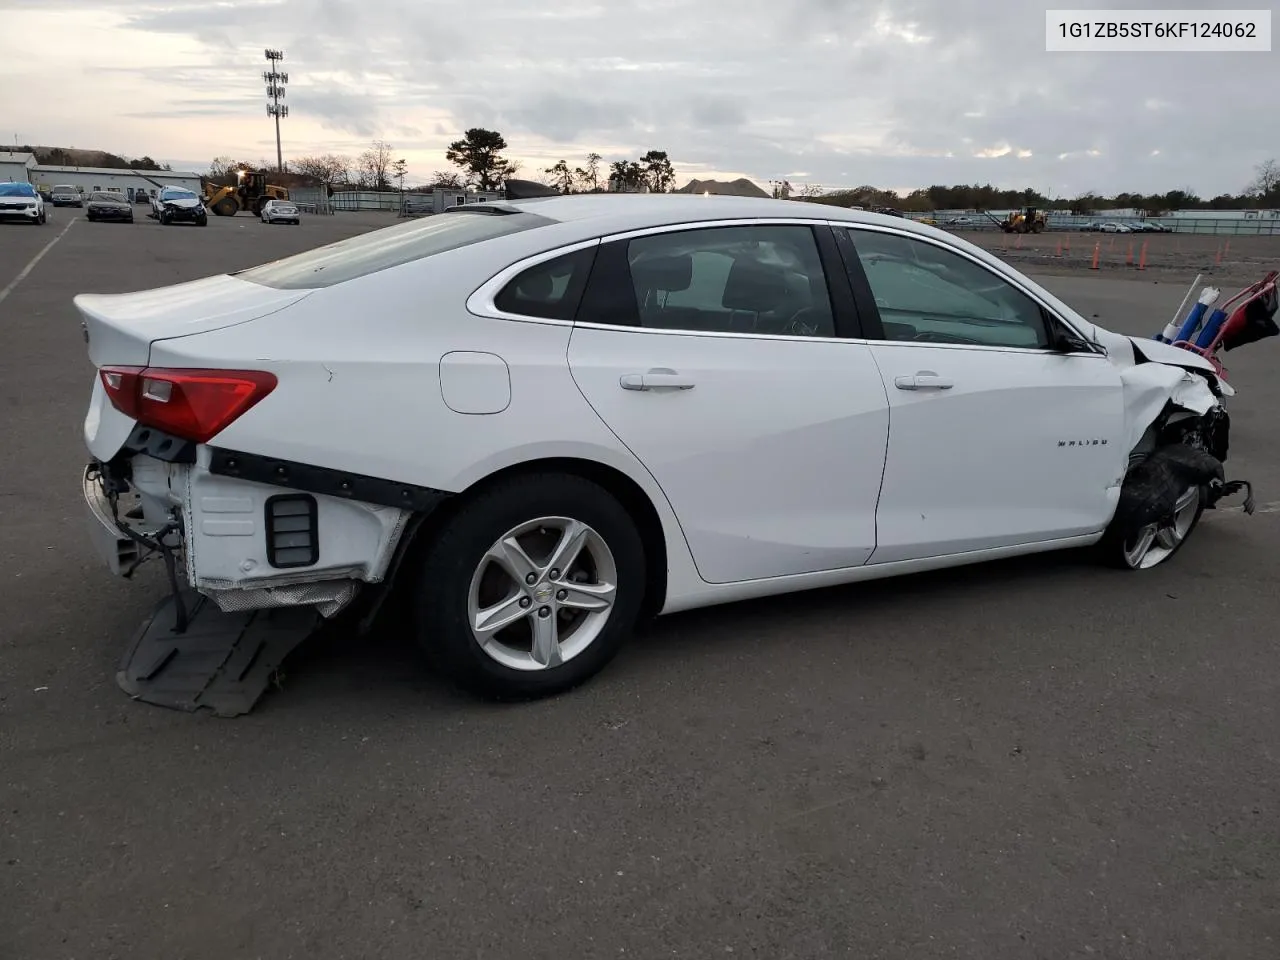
245 545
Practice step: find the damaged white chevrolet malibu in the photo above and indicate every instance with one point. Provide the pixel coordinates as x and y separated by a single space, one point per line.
542 419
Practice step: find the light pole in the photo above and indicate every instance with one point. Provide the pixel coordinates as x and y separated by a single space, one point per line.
275 92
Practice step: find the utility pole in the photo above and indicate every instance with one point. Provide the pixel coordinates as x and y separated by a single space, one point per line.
275 92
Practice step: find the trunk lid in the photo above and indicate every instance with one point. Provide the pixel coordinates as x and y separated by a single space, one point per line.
120 328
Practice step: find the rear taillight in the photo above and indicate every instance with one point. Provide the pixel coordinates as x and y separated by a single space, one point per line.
188 403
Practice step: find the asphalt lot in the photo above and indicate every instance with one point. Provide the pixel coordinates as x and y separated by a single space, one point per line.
1036 759
1162 255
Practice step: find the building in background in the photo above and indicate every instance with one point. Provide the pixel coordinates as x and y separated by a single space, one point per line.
122 181
15 167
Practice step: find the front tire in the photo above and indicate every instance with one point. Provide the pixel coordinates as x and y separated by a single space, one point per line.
1161 502
1154 543
532 587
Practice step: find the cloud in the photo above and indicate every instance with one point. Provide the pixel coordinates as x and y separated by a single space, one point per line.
908 92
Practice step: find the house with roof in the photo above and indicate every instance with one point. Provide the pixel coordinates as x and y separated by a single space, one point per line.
16 167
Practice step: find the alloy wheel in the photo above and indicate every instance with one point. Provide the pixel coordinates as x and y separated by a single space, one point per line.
542 593
1154 543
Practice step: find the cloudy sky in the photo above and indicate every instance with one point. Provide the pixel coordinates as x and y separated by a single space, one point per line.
833 92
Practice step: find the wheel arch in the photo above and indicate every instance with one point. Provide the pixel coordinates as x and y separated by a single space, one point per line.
624 488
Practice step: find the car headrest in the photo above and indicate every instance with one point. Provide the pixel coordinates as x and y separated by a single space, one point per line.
536 286
667 274
754 286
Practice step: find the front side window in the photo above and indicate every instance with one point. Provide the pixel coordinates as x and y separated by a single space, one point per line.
927 294
550 290
764 279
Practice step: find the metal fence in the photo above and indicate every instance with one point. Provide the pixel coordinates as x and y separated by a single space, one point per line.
311 199
351 200
1226 226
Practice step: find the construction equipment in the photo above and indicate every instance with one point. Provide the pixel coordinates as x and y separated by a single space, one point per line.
250 192
1027 220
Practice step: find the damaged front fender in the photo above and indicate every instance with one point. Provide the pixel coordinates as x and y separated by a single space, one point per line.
1149 388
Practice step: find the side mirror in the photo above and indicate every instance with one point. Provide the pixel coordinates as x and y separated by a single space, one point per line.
1066 341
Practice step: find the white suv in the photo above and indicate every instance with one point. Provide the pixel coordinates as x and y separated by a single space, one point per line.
21 201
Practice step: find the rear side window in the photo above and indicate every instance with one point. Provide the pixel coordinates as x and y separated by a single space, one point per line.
551 289
388 247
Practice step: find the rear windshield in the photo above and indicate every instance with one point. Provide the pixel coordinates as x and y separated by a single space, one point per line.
388 247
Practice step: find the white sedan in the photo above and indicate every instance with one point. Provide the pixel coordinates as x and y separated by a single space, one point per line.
280 211
544 419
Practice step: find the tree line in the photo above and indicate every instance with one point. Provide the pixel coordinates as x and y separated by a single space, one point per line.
1263 191
65 157
480 165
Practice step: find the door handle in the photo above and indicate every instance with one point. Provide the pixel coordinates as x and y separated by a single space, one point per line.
659 379
924 380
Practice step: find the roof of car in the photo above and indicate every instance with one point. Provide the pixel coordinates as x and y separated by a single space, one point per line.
619 212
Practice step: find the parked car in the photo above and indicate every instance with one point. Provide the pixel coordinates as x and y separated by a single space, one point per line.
65 195
103 205
141 196
1112 226
962 221
543 419
178 205
280 211
21 201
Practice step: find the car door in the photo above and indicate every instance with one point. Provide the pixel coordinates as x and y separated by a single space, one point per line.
1002 432
712 353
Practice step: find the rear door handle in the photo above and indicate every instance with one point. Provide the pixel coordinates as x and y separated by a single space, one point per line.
657 379
923 381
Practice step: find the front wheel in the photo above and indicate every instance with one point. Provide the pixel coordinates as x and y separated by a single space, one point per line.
1154 543
532 587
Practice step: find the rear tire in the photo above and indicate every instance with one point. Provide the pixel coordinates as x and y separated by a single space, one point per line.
226 207
557 631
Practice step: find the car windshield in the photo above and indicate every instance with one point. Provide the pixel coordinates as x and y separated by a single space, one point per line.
103 195
64 188
389 247
17 190
174 193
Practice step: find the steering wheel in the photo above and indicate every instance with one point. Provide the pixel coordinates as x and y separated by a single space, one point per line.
796 326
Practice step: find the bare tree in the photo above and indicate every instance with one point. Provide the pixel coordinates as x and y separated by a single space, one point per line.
327 168
445 180
1267 180
375 165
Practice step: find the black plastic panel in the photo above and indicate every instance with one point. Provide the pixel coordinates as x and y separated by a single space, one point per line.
293 530
323 480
